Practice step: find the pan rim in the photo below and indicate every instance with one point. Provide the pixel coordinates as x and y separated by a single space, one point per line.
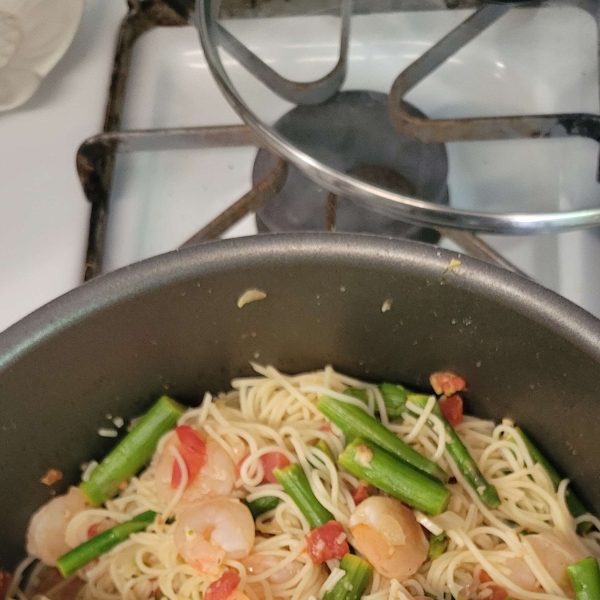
508 289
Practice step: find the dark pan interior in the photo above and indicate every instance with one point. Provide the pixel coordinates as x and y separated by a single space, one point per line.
171 324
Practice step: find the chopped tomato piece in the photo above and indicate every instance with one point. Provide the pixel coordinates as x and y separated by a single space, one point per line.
223 587
326 427
271 461
484 577
193 449
5 580
193 452
327 542
361 492
498 593
93 530
446 383
452 409
51 477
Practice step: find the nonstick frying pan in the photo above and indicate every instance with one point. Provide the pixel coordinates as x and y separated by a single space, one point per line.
171 324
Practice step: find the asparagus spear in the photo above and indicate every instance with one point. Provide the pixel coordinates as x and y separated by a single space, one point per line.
323 446
585 577
354 422
354 583
359 393
103 542
132 452
295 483
262 505
576 507
367 461
468 467
394 398
437 545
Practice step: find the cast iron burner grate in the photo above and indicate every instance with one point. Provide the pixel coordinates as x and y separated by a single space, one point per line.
275 179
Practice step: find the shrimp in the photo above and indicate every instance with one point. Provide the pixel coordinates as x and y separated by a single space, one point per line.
208 532
47 526
555 552
216 478
282 581
256 564
390 538
520 574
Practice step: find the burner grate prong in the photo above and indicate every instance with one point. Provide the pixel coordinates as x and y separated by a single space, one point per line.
485 128
313 92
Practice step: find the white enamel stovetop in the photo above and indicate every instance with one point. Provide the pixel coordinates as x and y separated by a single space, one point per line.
160 199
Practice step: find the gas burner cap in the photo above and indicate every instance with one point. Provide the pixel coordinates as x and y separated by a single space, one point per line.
352 133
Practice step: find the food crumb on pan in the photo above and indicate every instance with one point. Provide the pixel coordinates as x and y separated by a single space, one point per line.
118 422
107 432
251 295
452 265
387 305
342 288
51 476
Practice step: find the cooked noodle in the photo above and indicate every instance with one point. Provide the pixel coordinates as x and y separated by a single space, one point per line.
277 412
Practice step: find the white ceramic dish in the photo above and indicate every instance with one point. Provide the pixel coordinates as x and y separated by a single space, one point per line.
34 35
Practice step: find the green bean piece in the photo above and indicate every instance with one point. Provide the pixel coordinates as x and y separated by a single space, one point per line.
574 504
354 583
355 422
294 482
367 461
133 452
260 506
458 451
585 577
437 545
103 542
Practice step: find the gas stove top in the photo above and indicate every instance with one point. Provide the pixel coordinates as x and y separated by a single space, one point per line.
161 198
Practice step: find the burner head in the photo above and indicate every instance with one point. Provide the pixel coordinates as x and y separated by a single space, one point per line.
351 132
